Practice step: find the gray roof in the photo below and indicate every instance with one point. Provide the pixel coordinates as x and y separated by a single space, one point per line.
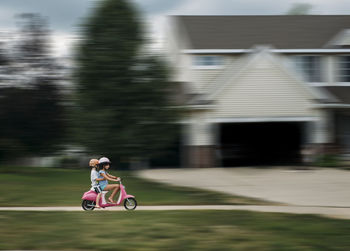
243 32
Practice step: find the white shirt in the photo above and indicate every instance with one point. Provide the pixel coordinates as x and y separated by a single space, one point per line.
93 177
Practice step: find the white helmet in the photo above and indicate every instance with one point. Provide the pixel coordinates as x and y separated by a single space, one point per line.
104 160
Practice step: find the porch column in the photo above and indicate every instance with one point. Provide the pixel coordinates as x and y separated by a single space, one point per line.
199 149
324 128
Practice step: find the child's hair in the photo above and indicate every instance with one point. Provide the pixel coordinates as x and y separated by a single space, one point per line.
103 161
93 163
102 166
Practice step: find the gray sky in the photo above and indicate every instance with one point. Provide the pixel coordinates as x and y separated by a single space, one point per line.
66 15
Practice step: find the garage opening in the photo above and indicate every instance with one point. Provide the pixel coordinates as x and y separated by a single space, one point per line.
260 144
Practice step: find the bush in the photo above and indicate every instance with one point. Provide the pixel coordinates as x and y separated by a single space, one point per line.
328 160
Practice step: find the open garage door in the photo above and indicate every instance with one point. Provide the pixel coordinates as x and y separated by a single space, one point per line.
272 143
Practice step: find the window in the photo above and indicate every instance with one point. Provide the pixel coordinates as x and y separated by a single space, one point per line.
309 67
207 60
344 69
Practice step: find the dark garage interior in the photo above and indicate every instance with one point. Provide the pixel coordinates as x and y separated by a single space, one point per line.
260 144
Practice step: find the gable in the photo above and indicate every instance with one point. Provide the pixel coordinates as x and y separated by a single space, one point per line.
263 89
342 39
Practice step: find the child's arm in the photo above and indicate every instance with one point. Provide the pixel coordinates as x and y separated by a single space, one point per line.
108 178
111 176
99 179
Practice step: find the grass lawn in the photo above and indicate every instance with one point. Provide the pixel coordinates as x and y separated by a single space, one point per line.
64 187
170 230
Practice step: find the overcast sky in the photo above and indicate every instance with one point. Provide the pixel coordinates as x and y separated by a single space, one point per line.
66 15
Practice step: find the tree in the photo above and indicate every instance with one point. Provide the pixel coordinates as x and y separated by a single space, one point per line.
300 9
122 104
30 104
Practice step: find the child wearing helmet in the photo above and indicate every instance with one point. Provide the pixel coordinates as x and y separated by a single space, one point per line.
94 177
104 165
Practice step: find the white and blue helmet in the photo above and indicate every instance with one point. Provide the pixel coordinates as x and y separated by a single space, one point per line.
103 161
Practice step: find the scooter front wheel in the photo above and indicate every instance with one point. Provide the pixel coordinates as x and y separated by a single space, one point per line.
130 204
88 205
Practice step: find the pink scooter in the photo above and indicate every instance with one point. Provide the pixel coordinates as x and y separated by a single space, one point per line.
89 200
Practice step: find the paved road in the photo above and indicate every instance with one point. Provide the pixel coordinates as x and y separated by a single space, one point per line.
317 187
341 213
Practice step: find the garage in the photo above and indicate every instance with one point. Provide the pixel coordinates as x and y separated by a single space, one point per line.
259 144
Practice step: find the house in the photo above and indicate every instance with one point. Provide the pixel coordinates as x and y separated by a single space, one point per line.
258 89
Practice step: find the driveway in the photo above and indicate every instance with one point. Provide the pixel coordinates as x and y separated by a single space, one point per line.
316 187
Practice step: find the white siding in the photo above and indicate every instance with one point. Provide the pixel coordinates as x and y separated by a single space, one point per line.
263 90
206 80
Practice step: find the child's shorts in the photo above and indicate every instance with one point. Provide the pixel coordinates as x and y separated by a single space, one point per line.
97 189
102 187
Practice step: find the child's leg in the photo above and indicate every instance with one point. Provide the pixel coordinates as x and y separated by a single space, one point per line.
114 193
110 187
98 200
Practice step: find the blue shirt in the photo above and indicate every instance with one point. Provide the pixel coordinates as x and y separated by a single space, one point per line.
102 183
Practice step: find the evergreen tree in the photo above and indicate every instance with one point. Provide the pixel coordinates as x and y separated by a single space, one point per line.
123 108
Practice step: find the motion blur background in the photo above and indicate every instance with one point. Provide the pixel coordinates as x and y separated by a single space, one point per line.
186 84
152 84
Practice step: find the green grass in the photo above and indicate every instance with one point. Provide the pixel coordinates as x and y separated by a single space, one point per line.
64 187
170 230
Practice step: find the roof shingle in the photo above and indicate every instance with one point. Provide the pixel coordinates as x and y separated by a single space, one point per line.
281 32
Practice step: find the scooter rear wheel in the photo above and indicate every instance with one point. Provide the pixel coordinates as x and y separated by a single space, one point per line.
130 204
88 205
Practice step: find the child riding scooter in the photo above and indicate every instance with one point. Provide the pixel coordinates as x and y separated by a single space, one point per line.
91 198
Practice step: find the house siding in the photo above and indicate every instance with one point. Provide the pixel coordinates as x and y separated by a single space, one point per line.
263 90
260 84
206 79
